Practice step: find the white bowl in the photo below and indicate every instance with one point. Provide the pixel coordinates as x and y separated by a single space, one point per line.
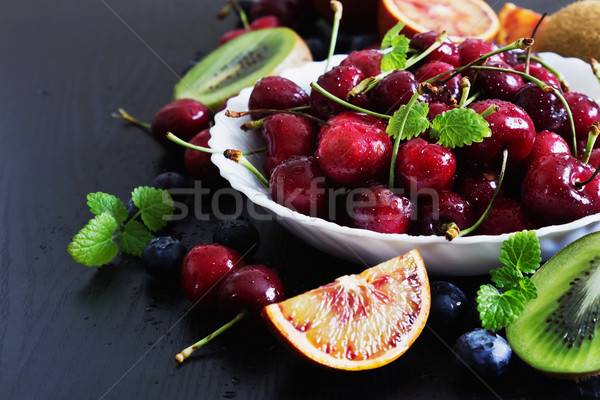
463 256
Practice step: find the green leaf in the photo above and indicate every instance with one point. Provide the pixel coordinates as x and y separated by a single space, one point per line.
497 310
93 245
506 278
156 206
522 251
134 238
408 123
459 127
396 59
107 203
390 35
528 289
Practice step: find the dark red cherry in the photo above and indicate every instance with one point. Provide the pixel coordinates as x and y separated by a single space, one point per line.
198 164
545 109
546 142
470 49
368 61
435 211
227 36
338 81
585 112
276 92
300 184
540 73
511 128
352 153
184 118
505 216
447 52
249 288
287 135
497 84
422 167
550 194
204 268
393 91
353 116
268 21
450 89
477 185
381 210
288 12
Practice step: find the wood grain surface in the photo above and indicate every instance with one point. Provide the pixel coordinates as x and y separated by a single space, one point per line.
72 332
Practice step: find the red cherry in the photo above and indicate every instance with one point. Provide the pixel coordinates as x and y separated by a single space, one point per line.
353 153
184 118
546 142
450 89
367 61
585 112
422 167
550 193
287 135
227 36
497 84
436 211
338 81
447 52
203 269
541 73
505 216
276 92
352 116
393 91
198 164
381 210
300 185
471 49
477 185
268 21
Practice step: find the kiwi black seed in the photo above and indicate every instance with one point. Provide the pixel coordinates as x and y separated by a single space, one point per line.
240 63
559 332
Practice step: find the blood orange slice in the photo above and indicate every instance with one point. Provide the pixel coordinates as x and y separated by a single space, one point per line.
459 18
516 22
359 321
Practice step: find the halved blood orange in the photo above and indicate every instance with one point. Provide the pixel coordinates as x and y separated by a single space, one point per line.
359 321
516 22
459 18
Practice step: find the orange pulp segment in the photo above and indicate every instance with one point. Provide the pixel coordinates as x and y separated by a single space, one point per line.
516 22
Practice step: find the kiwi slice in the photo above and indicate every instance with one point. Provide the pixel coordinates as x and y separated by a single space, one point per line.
240 63
558 332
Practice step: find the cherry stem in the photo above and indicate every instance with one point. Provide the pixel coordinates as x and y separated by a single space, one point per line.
546 88
490 110
528 55
291 111
238 157
592 136
185 353
337 8
465 85
415 59
122 114
471 99
595 68
325 93
521 44
409 105
496 191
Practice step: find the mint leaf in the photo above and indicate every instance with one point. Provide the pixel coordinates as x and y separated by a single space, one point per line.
498 310
396 59
528 289
107 203
506 278
522 252
390 35
134 238
93 245
155 206
408 123
459 127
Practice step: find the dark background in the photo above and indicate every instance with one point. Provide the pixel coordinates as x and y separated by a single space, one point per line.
68 331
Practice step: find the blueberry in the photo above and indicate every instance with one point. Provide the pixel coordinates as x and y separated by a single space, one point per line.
448 305
238 234
485 352
318 48
162 257
172 182
132 209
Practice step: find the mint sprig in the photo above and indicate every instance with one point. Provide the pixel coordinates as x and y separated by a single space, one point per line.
409 121
502 303
459 127
98 242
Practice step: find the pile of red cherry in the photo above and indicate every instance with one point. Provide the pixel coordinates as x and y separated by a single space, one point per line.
337 170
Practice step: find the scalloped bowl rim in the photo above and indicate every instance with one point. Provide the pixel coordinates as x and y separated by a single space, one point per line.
258 195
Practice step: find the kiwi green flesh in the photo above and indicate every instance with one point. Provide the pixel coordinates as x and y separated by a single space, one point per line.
237 64
558 332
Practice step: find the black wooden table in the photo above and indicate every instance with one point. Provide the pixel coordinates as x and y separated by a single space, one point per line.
68 331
